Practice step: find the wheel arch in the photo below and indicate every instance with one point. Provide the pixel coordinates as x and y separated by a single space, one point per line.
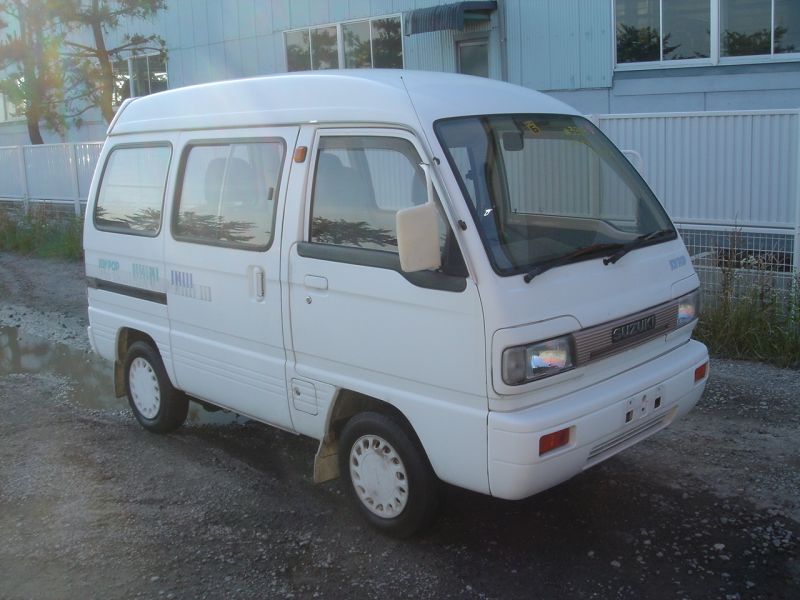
345 405
126 337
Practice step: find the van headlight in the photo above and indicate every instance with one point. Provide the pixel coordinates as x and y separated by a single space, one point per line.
522 364
688 308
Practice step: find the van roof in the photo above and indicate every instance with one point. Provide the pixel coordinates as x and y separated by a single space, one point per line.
343 96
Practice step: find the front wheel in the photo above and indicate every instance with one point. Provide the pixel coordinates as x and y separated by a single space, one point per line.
156 404
387 474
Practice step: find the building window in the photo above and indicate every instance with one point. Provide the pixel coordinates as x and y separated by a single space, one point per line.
651 31
654 30
8 112
751 27
473 57
139 76
353 45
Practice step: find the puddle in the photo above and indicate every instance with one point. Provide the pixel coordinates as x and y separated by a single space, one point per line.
91 376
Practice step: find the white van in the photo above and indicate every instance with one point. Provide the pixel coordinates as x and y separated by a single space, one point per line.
439 277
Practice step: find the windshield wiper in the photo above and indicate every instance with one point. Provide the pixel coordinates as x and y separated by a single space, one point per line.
568 258
640 241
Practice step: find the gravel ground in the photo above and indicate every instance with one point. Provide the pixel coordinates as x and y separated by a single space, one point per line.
92 506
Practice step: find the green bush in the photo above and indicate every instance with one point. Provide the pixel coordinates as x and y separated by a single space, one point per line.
761 325
43 233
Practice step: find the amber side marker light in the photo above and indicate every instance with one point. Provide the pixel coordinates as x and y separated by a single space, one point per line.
300 154
700 372
551 441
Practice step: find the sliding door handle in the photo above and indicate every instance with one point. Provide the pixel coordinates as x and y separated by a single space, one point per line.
258 283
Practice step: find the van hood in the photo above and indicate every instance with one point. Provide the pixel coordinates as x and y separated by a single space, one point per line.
589 293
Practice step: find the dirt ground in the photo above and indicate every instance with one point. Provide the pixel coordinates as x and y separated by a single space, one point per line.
92 506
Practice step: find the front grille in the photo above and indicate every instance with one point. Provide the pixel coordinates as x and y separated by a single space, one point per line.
597 342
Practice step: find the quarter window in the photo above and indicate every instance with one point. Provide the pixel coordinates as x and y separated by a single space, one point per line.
228 194
359 185
131 192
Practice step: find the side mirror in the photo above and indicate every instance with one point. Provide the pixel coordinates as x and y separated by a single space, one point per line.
418 233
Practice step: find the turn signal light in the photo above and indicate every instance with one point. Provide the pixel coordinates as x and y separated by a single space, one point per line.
700 372
551 441
300 154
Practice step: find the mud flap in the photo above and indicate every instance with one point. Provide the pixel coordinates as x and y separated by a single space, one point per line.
326 462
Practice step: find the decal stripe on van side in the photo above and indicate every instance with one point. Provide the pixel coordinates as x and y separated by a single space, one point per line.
126 290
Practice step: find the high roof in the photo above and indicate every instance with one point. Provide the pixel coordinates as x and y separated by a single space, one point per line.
368 95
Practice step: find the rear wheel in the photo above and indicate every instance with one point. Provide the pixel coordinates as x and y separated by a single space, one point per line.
387 474
155 403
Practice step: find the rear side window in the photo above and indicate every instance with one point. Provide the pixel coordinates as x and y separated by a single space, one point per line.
228 194
131 193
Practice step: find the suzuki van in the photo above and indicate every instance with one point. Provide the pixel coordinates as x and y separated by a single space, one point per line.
441 278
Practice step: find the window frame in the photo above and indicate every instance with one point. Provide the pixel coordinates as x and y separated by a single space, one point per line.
340 40
180 178
95 205
715 59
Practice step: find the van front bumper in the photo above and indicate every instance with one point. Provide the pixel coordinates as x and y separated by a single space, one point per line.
602 419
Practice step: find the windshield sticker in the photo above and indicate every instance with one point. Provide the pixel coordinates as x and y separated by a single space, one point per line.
532 127
573 131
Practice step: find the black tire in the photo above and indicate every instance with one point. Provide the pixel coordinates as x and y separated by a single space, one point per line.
408 497
157 405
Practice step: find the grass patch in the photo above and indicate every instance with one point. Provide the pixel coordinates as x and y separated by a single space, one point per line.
752 328
42 233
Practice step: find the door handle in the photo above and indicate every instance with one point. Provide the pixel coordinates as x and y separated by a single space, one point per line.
316 282
258 283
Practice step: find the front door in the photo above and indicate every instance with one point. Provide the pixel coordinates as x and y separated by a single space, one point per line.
223 267
358 321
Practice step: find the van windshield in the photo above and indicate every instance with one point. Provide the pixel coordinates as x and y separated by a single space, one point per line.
545 190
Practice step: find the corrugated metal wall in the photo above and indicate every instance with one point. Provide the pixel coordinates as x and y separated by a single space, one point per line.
559 44
732 169
210 40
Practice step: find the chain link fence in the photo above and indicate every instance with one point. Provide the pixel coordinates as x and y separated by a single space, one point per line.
739 262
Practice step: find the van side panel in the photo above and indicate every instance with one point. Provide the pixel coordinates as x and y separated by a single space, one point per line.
223 260
125 265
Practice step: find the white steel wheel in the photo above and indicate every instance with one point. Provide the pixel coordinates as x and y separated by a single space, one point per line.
386 473
144 388
156 404
379 476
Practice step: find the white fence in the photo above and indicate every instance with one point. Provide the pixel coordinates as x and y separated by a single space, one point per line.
731 183
48 173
